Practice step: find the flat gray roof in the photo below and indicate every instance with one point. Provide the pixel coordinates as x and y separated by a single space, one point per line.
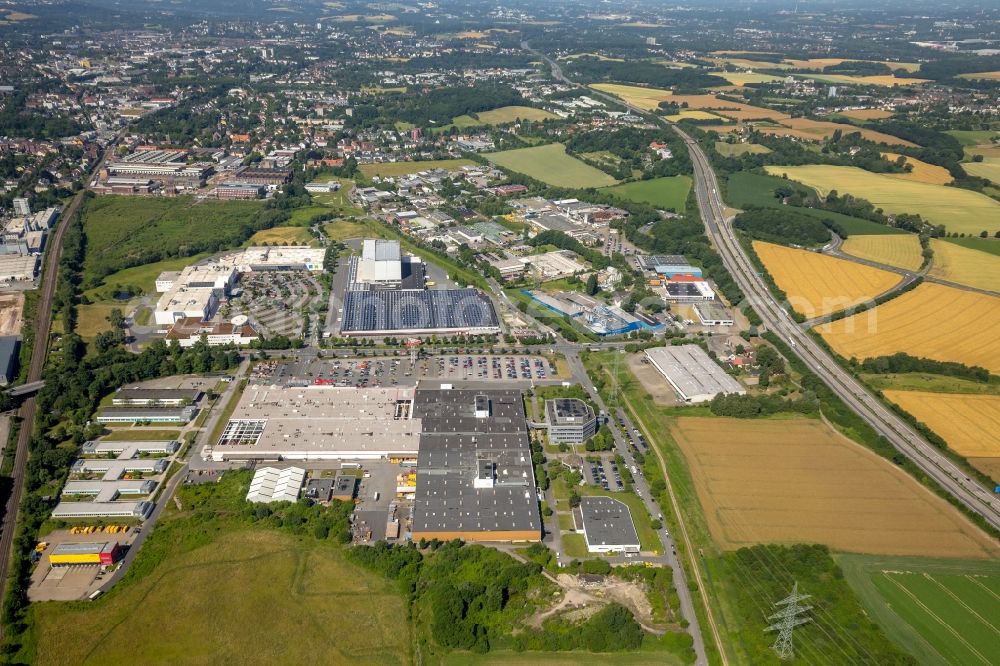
607 522
691 372
568 411
454 445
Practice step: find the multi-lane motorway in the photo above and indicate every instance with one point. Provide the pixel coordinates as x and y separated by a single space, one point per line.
931 461
906 440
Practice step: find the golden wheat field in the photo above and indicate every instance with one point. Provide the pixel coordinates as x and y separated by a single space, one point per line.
969 423
933 321
798 481
966 266
816 284
922 171
644 98
988 466
899 250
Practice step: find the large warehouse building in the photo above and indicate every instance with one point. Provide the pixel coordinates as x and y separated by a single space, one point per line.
608 526
475 479
439 312
692 374
102 553
320 423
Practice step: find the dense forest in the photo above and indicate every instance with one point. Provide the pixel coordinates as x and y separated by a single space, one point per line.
436 107
649 73
786 226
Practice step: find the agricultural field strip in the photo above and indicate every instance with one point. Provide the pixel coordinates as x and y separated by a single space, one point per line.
798 481
913 322
967 422
818 285
966 266
935 617
897 250
959 210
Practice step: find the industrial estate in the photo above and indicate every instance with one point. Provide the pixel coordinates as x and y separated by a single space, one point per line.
461 333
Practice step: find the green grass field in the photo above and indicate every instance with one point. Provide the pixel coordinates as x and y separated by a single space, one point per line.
141 277
141 435
921 381
550 164
132 231
208 589
302 216
510 114
736 149
942 611
990 245
402 168
669 193
283 235
957 209
989 169
972 137
344 229
754 189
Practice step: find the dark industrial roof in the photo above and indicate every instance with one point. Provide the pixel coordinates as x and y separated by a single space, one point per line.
391 310
568 410
455 447
607 522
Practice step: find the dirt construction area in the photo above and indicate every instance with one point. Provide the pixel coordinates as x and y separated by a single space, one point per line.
798 481
580 601
652 381
11 307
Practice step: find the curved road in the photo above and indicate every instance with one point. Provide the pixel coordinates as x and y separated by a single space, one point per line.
858 398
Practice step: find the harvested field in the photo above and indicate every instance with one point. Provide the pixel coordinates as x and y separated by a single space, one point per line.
933 321
887 80
816 284
644 98
981 76
798 481
922 171
866 114
899 250
11 309
814 130
959 210
966 266
967 422
988 466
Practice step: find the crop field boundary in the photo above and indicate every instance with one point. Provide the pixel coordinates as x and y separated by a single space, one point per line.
862 571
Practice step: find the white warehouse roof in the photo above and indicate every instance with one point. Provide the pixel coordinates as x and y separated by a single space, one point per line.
695 376
276 485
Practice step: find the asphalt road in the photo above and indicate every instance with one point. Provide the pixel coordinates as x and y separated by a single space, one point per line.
906 440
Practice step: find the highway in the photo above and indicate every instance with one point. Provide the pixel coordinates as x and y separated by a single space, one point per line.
903 437
906 440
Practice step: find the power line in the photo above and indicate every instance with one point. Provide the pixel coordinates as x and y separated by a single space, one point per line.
788 618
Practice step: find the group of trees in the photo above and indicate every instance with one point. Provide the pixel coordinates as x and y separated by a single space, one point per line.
753 406
903 362
591 69
16 120
786 226
631 145
436 107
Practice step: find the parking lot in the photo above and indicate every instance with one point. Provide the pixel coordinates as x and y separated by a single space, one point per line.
392 371
274 301
604 474
76 581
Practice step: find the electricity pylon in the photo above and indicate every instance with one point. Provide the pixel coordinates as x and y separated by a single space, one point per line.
789 617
